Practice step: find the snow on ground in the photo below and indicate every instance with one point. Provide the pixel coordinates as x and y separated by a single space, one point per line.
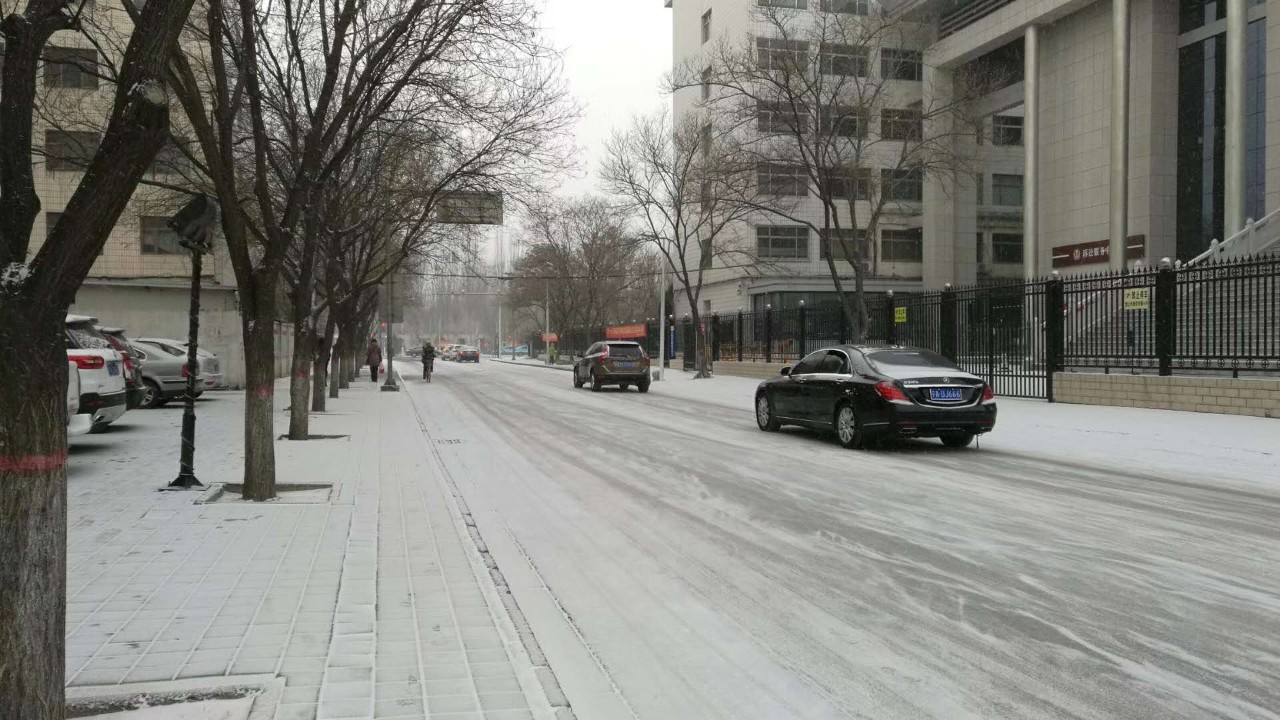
1084 563
229 709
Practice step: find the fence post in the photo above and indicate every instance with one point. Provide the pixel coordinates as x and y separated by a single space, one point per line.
844 325
768 333
890 315
947 324
804 332
739 337
713 337
1166 315
1054 329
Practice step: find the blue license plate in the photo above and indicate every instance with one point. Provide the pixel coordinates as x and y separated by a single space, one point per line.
626 365
113 369
946 394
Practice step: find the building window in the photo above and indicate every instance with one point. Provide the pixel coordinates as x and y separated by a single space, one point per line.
843 121
782 242
982 180
1194 14
902 185
1006 248
1006 130
51 220
981 253
901 125
157 238
781 180
780 117
797 4
902 246
784 55
849 185
71 68
1006 190
853 7
69 150
706 84
706 26
854 241
848 60
901 65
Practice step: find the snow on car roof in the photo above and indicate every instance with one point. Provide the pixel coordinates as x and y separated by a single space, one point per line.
81 319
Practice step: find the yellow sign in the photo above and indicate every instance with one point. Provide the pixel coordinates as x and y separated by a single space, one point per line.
1137 299
900 315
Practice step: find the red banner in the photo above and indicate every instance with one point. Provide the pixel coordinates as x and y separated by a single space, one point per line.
625 332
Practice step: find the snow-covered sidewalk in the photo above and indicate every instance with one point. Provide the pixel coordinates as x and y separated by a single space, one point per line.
371 602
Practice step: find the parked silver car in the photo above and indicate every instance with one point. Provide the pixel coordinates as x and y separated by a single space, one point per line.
164 373
210 365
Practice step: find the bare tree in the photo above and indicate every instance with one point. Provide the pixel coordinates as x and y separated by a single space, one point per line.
680 188
811 113
34 297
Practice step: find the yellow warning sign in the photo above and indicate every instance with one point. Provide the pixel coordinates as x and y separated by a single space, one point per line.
900 315
1137 299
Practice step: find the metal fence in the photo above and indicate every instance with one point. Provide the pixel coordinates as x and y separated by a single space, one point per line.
1217 318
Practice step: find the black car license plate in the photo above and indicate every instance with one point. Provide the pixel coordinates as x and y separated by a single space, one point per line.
946 394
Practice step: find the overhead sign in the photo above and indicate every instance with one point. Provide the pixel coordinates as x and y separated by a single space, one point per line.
550 337
1097 252
626 332
470 208
1137 298
900 315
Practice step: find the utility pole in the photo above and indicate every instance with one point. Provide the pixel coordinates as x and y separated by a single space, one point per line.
546 340
662 322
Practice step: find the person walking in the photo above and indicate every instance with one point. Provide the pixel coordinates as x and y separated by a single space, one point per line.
373 356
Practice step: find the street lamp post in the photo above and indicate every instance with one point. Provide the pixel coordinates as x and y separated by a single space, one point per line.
389 385
194 223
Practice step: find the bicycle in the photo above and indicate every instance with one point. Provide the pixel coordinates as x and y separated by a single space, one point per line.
428 365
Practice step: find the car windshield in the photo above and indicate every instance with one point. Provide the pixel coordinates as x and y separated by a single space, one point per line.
886 359
87 337
625 350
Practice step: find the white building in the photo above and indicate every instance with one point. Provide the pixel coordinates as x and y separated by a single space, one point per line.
1133 128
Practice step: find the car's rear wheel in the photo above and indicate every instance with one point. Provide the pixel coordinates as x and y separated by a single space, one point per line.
848 428
596 385
151 394
764 413
643 386
956 439
625 386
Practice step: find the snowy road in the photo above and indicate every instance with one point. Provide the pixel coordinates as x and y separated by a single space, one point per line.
707 570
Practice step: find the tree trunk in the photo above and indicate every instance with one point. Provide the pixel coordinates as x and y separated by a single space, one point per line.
300 380
33 514
259 364
335 366
320 373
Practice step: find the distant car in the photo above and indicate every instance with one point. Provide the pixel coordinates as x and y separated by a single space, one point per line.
466 353
132 377
104 395
210 365
871 392
613 362
164 373
77 424
449 351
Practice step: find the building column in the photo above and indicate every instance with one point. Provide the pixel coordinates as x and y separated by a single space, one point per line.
1031 148
1234 179
949 207
1119 131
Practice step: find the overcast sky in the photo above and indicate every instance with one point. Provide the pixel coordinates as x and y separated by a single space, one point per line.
616 55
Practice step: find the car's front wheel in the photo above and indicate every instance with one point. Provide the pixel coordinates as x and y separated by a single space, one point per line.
957 439
577 383
764 413
848 429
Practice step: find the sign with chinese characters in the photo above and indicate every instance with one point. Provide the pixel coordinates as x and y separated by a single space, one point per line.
550 337
1097 252
470 208
900 315
625 332
1137 298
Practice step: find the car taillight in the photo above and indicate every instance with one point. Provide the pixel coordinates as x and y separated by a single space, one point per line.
604 355
89 362
988 395
891 392
185 371
128 363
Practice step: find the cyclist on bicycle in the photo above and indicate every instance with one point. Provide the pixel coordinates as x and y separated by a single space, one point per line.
428 359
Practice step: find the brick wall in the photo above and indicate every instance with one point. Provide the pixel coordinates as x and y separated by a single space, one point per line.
1260 398
758 370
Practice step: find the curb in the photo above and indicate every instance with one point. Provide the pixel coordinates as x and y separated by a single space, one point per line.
545 367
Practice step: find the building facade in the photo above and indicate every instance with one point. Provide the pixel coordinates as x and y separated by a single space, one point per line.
1122 131
141 280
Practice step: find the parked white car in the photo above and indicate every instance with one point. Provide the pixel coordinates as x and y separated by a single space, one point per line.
77 424
103 396
210 365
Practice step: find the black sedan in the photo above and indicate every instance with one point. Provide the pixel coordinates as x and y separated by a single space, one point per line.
865 392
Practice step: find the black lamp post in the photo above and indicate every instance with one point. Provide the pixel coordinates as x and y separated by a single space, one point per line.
194 223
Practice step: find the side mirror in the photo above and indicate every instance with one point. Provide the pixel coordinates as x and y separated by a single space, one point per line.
785 370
